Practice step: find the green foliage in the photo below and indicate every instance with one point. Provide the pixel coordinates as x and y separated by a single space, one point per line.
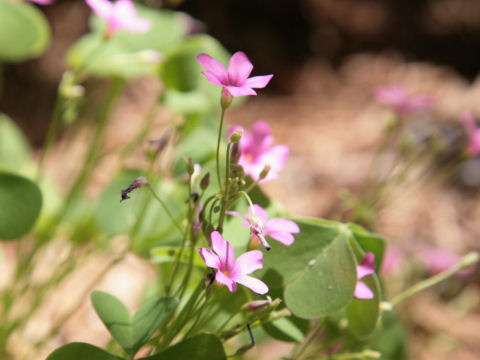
126 54
287 329
24 31
200 347
21 201
131 332
318 270
81 351
14 148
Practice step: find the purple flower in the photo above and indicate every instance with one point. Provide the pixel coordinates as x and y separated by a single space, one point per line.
231 271
235 80
42 2
402 103
277 228
367 267
119 15
473 133
258 152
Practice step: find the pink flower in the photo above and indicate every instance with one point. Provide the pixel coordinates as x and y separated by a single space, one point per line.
277 228
402 103
236 79
231 271
438 259
367 267
258 152
119 15
473 133
393 260
42 2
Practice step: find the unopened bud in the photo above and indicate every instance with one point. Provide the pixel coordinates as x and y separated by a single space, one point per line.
265 172
205 182
256 305
236 171
226 99
189 165
236 153
236 136
138 182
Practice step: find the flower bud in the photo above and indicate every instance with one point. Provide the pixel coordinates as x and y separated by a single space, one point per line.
236 136
236 171
189 165
265 172
138 182
236 153
205 182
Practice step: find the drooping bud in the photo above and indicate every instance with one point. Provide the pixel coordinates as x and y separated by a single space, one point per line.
138 182
205 182
236 153
226 99
160 144
236 136
265 172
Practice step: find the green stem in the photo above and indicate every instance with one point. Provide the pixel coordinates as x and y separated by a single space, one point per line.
300 349
464 263
227 184
218 149
165 207
359 355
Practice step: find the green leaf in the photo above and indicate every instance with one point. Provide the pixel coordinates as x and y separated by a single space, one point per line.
24 31
318 270
200 347
363 314
81 351
21 202
287 329
126 53
369 242
14 149
131 333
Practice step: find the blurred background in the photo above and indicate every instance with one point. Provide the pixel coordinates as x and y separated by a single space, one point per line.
328 57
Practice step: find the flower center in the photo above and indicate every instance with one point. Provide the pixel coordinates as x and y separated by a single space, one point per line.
249 158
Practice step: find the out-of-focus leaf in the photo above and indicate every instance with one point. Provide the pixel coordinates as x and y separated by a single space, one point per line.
20 201
81 351
24 31
200 347
14 149
287 329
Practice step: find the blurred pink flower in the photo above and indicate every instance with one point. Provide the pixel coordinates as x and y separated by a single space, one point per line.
231 271
277 228
119 15
393 260
367 267
438 259
235 80
258 152
402 103
42 2
472 131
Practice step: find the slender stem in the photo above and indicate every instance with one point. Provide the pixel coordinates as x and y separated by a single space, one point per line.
464 263
52 133
300 349
218 149
165 207
358 355
227 184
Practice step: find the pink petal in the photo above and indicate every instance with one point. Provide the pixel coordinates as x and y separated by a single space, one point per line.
224 250
103 8
225 280
367 266
259 211
124 9
239 68
214 67
253 284
468 122
240 91
362 291
276 157
138 25
284 225
258 81
284 237
247 263
237 214
261 135
212 78
42 2
210 259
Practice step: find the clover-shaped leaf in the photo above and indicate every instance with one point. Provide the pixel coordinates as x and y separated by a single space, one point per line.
81 351
131 332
